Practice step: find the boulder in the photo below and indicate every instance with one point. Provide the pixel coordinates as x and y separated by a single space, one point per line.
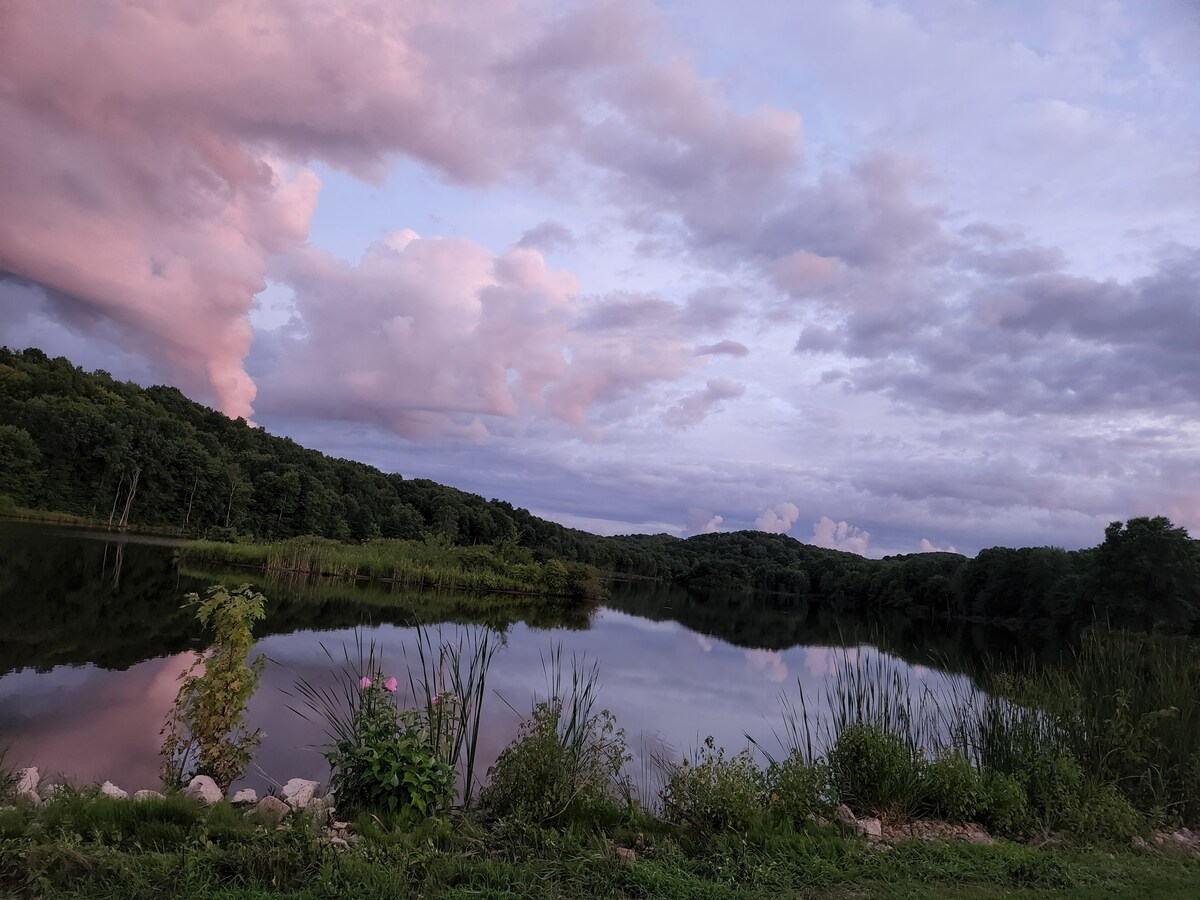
269 810
108 789
245 795
205 790
299 792
147 795
28 781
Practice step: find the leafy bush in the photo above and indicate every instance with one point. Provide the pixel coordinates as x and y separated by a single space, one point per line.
557 767
794 789
206 732
1054 782
385 759
1108 813
872 770
950 788
1003 804
712 792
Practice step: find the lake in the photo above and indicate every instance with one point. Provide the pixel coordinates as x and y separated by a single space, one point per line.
93 639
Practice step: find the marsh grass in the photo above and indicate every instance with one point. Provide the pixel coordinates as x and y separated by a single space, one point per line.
429 563
447 688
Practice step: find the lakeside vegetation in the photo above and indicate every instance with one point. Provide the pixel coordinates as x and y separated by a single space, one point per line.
1073 769
429 563
87 445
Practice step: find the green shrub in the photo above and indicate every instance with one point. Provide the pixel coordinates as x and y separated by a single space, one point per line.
950 788
1003 804
384 759
1108 813
713 793
873 771
794 789
557 768
1054 782
206 731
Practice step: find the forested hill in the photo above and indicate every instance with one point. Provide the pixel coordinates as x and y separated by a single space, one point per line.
84 443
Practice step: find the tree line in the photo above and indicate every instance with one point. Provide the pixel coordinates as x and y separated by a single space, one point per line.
85 443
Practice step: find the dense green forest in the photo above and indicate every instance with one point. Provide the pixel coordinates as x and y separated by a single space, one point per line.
84 443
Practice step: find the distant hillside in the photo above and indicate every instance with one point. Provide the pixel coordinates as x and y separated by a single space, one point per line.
83 443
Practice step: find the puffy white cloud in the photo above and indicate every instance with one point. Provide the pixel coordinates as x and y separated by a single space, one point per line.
777 519
840 536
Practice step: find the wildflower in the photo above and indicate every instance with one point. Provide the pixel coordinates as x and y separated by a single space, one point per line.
364 683
433 701
390 685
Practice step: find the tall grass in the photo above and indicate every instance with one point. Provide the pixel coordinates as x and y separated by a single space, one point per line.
431 563
1123 707
451 681
447 687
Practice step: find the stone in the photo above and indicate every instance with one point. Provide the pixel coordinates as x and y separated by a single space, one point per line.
108 789
205 790
28 780
1138 842
145 794
270 809
340 843
27 785
245 795
50 791
625 855
299 792
845 814
872 828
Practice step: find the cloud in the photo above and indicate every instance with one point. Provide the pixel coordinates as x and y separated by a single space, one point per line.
840 536
692 409
778 519
769 662
547 237
161 202
927 547
727 348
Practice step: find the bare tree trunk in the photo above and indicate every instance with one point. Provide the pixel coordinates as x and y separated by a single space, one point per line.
133 486
116 496
192 496
233 486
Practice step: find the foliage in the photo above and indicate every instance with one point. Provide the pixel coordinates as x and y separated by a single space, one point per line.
72 441
206 731
451 682
873 771
566 758
950 788
387 760
795 789
1004 804
713 793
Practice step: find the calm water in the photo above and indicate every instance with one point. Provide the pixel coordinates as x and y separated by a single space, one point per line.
93 639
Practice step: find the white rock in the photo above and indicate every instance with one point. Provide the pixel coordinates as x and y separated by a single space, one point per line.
108 789
270 808
299 792
147 795
28 780
245 795
205 790
872 828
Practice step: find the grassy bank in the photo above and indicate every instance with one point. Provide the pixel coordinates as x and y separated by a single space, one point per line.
431 563
81 845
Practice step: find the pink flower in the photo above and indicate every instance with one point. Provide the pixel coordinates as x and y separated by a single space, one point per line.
390 685
433 701
364 683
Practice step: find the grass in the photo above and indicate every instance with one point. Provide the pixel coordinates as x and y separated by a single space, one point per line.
431 563
82 845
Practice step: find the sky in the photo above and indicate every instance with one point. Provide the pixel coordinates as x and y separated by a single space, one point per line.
886 277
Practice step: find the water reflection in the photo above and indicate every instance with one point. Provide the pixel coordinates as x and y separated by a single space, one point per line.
92 660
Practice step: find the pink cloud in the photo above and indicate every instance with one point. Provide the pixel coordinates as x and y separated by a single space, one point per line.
161 151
